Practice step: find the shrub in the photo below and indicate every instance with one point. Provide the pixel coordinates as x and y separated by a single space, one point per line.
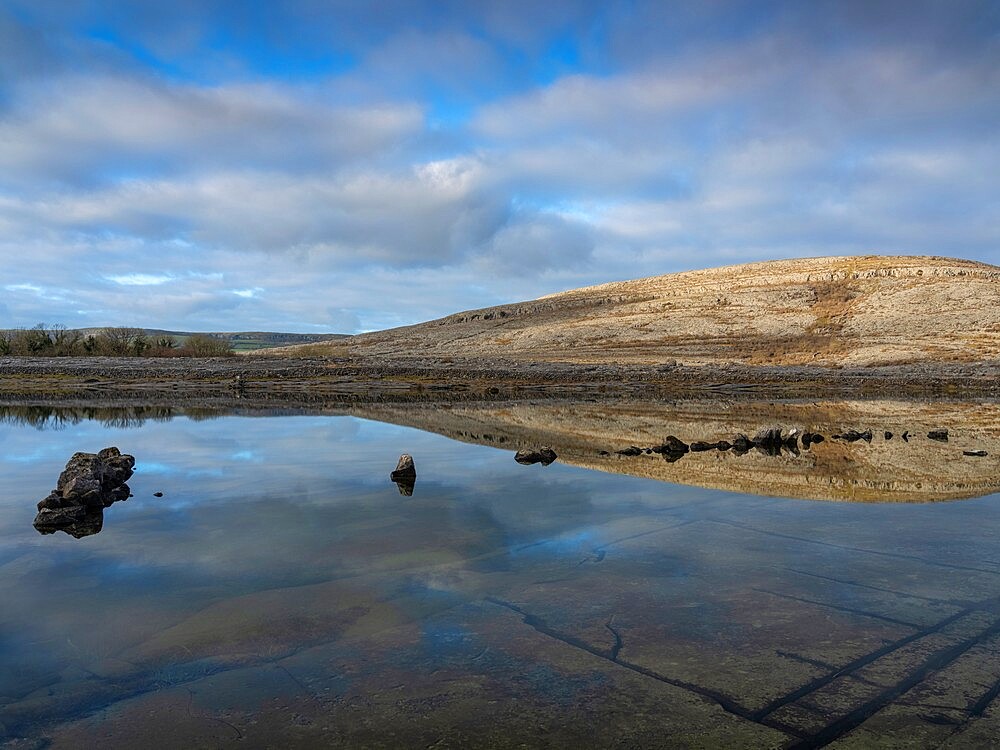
201 345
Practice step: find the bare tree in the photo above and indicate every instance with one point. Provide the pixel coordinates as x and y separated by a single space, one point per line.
121 342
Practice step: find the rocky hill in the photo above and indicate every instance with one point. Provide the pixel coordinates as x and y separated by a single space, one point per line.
848 311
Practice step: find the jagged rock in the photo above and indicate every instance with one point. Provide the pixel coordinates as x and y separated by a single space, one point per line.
940 435
906 437
405 468
723 445
89 483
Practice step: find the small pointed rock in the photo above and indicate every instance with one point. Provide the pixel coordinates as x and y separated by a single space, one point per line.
404 468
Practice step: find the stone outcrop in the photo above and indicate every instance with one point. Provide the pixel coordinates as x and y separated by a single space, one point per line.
543 456
90 483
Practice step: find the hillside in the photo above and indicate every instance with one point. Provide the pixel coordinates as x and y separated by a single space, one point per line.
867 310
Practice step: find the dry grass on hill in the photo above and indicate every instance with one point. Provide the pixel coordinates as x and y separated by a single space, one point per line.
867 310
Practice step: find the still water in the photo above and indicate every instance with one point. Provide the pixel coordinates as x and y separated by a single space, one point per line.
284 593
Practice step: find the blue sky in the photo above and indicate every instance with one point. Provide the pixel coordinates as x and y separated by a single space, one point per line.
345 166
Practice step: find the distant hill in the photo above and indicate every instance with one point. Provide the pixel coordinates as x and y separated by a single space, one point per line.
867 310
242 341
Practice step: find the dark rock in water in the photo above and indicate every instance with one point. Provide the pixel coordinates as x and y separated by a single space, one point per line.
632 450
89 483
741 444
603 453
791 444
723 445
769 441
405 468
853 436
976 454
940 435
673 444
700 447
888 435
808 438
543 456
157 494
673 449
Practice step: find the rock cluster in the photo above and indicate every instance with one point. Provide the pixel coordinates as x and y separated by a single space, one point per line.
89 483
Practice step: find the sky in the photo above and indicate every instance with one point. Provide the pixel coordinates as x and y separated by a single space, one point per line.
341 166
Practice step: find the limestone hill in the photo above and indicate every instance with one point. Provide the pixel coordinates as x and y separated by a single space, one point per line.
869 310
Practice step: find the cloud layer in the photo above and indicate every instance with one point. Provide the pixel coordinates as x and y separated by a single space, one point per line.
323 167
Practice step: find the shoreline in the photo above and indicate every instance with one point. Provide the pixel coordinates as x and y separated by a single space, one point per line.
305 381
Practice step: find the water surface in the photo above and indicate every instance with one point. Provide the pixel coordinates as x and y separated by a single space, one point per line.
283 592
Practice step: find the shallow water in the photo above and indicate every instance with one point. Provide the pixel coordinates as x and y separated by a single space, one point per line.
283 592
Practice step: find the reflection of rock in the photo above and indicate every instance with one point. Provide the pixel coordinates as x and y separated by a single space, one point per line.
811 438
405 485
78 521
587 434
853 436
543 456
404 468
672 449
89 483
769 441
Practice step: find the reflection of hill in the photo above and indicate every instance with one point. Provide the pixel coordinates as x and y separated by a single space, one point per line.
920 470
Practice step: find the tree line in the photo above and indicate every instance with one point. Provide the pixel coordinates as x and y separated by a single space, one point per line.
60 341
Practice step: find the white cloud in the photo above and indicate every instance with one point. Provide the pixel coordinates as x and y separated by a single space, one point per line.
140 279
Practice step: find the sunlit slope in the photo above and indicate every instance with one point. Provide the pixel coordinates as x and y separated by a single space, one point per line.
822 311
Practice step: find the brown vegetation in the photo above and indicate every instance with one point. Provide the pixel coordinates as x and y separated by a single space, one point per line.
59 341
